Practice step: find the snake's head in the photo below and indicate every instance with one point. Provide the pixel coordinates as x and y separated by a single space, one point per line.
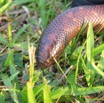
54 40
43 52
51 45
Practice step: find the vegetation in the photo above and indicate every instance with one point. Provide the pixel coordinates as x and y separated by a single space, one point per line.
76 77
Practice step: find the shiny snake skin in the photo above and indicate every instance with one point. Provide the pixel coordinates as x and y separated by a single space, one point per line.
64 28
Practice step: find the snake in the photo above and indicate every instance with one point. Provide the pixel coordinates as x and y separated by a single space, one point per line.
64 27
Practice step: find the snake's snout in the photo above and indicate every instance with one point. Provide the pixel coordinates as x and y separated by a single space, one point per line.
43 53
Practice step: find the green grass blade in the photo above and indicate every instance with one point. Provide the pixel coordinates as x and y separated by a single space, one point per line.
72 81
30 83
30 93
90 44
14 78
20 32
9 33
18 2
88 90
57 93
98 49
47 90
5 6
90 54
38 89
2 97
11 89
1 2
101 62
7 62
42 6
77 92
98 71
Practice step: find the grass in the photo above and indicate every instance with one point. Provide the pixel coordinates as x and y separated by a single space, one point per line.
76 77
4 4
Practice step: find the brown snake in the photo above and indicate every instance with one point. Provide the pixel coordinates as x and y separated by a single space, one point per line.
64 28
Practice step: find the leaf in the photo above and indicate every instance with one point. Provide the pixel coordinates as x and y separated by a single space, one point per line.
47 91
90 55
11 89
66 91
5 6
2 97
98 49
18 2
30 93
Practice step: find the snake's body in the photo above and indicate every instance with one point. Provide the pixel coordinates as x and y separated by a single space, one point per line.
63 28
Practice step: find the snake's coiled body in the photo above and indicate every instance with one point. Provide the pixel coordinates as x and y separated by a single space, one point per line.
86 2
63 28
